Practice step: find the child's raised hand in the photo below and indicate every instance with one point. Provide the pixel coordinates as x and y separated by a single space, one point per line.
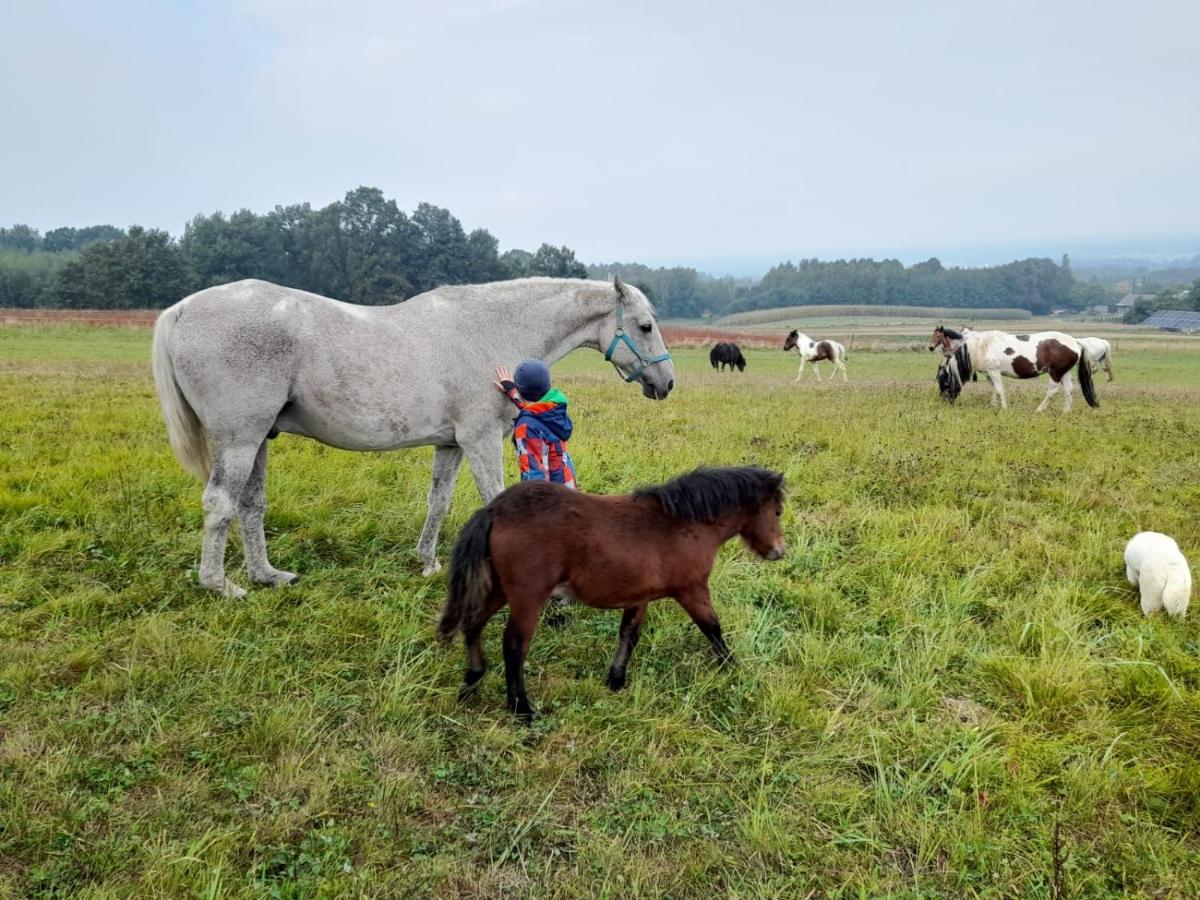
502 375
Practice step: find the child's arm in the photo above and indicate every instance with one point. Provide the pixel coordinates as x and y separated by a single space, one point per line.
506 386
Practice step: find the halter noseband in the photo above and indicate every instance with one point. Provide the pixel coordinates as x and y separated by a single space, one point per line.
644 358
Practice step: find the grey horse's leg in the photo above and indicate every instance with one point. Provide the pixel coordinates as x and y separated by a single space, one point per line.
251 507
232 465
446 463
485 455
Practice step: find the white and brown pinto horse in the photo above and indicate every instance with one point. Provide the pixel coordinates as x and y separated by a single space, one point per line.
998 354
816 351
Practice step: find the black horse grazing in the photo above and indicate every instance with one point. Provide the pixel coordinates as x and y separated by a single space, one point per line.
724 354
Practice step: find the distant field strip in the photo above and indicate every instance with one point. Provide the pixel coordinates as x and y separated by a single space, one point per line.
785 313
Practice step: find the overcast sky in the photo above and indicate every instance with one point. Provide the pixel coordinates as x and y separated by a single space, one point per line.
723 135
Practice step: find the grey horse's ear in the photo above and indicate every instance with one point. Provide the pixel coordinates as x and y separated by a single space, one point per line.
619 285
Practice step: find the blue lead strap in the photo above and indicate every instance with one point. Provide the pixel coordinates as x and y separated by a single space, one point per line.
620 336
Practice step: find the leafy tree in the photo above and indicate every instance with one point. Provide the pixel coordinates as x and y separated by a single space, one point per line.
20 237
483 255
143 270
517 263
27 279
61 240
245 245
360 249
557 262
1191 300
443 254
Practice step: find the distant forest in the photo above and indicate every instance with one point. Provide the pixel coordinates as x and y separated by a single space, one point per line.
365 249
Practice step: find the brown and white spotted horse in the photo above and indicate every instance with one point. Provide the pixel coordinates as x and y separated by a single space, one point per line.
998 354
816 351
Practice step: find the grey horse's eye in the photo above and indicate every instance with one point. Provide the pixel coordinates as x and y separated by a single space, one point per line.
647 328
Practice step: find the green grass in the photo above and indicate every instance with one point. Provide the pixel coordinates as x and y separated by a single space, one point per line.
946 669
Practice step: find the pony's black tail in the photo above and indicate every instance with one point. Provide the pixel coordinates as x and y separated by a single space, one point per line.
470 579
1085 378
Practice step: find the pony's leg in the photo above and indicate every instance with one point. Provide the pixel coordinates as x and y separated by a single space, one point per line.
698 603
816 371
841 367
522 623
1108 367
631 630
446 463
232 465
251 507
1050 392
800 373
472 638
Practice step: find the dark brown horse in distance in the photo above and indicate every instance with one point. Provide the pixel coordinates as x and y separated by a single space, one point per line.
727 354
611 552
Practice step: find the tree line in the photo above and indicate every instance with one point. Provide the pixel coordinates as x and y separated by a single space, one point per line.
362 248
1038 285
365 249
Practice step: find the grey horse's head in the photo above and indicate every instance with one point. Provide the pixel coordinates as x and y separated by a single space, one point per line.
635 344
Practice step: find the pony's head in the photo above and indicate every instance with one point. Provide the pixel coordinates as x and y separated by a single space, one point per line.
741 362
751 495
793 340
954 369
635 344
763 531
946 338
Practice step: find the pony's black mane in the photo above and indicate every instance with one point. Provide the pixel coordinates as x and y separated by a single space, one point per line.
706 495
950 333
963 358
950 378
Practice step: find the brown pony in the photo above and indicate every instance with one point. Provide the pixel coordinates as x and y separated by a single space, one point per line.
610 552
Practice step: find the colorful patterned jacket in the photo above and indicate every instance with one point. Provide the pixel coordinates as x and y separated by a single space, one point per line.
540 434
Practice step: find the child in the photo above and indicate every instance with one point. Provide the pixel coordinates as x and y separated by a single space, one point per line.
542 427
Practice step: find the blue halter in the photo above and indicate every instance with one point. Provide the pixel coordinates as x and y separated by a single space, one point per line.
645 359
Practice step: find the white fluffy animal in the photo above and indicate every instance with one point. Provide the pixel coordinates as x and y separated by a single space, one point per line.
1154 565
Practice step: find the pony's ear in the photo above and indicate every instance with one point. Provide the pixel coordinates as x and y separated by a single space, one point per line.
777 482
794 333
619 286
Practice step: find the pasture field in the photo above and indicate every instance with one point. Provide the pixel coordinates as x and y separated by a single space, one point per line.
909 327
945 689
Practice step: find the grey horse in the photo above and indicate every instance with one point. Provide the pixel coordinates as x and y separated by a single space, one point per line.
237 364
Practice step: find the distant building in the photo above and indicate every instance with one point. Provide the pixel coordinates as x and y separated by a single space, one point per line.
1175 320
1126 303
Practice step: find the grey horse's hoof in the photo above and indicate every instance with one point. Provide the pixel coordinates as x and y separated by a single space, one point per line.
431 568
275 578
226 589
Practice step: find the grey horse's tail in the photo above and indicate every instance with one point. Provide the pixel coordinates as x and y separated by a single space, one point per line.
1085 378
187 435
470 579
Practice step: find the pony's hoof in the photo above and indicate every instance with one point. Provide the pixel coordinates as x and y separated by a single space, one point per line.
615 681
275 578
523 711
467 690
431 568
